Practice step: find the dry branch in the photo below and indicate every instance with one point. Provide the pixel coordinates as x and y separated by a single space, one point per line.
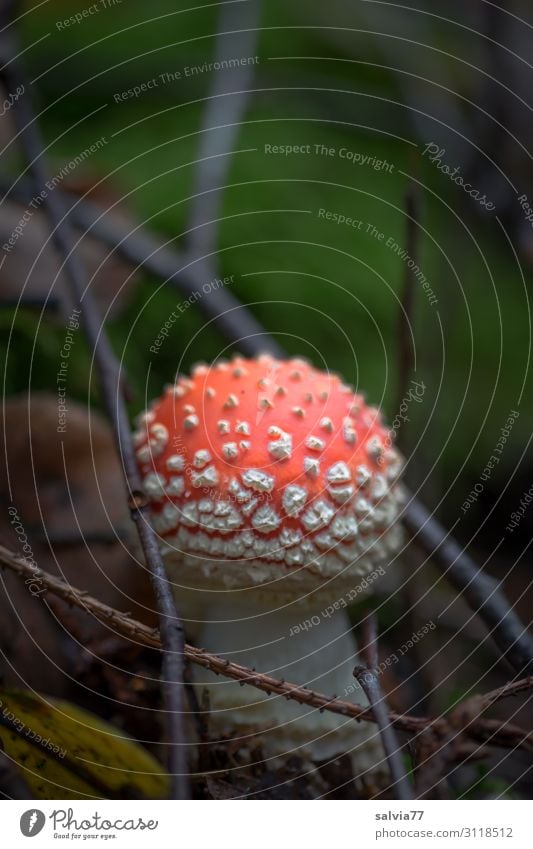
225 108
479 590
236 322
142 249
111 380
495 733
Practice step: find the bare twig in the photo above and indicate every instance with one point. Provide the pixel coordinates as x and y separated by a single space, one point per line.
512 688
515 736
368 679
75 766
479 590
172 635
481 730
144 250
238 324
237 31
469 710
434 750
12 784
38 304
439 747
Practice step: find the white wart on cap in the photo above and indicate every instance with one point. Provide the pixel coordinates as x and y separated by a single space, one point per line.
274 465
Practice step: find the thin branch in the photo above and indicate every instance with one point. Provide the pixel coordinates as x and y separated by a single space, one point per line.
38 580
479 590
515 736
144 250
512 688
469 710
237 32
172 634
437 748
434 751
239 325
368 679
75 766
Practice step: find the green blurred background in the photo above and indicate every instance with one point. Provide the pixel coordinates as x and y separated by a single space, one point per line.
327 291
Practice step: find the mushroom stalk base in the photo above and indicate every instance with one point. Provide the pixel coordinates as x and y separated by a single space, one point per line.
296 644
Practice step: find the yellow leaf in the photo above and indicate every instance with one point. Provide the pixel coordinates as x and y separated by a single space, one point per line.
67 753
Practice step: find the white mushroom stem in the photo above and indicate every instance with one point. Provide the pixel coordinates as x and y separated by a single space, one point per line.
299 645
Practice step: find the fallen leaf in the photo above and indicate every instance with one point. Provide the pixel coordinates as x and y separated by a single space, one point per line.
67 753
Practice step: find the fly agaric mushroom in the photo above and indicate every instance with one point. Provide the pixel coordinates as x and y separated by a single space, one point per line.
274 492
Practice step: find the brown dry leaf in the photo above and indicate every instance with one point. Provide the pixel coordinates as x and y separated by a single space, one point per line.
65 498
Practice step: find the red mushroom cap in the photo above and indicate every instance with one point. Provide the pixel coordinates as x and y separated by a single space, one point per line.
270 462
